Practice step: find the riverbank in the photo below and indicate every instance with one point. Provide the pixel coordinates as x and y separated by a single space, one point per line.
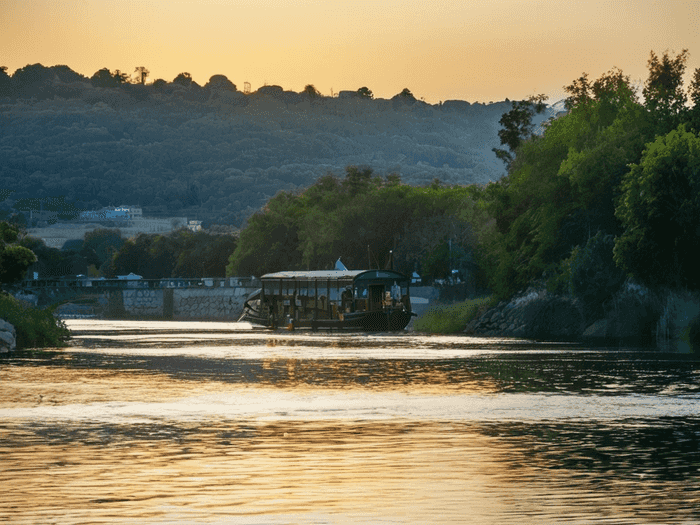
24 326
667 319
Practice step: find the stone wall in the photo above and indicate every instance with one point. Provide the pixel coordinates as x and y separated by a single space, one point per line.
215 304
7 337
181 304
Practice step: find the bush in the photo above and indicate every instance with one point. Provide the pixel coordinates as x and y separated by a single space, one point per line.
34 328
450 319
593 276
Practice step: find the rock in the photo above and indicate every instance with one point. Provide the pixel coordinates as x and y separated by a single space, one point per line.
554 317
8 340
598 330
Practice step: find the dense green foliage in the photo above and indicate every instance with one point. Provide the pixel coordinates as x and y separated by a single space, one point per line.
361 219
574 181
34 328
660 211
180 149
179 254
15 259
451 319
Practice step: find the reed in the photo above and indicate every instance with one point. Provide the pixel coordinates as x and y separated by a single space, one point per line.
453 318
35 328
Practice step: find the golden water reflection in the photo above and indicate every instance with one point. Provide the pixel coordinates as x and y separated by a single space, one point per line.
394 472
170 422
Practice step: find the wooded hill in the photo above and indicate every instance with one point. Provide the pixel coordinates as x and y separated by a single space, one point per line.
214 153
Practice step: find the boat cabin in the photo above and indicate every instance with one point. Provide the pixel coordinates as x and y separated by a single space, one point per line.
360 299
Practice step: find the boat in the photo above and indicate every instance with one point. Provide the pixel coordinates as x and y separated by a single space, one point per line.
367 300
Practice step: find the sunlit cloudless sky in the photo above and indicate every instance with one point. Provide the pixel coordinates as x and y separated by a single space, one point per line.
476 50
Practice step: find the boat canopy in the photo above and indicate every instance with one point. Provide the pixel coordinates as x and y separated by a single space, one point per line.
335 275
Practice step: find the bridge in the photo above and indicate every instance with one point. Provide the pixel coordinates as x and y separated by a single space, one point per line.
208 298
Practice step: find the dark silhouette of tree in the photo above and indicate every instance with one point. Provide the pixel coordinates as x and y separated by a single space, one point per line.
105 78
14 259
31 80
580 92
406 93
517 125
365 92
184 79
311 91
220 82
119 77
694 95
5 82
142 73
663 89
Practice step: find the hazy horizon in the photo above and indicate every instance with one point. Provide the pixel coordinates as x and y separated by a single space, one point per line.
478 51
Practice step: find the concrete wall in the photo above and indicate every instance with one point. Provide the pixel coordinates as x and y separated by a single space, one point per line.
221 304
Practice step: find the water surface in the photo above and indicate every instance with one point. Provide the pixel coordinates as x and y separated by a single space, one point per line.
161 422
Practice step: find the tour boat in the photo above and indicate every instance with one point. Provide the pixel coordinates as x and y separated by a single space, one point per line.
369 300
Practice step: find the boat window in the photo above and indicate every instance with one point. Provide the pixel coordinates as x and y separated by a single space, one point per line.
334 296
361 292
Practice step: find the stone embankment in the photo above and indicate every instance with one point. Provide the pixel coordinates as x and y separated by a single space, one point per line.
534 314
668 320
7 337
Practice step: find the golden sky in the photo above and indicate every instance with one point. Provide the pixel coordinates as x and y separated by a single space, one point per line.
475 50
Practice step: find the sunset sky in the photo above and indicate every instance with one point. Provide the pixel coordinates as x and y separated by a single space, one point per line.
476 50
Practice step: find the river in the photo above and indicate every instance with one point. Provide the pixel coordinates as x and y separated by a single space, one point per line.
174 422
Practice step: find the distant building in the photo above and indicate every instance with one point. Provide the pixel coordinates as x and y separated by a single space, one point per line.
119 213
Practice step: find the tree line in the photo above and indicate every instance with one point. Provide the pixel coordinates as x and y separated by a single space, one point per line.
608 191
180 149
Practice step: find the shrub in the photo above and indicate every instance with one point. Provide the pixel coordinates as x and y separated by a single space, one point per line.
450 319
593 276
34 328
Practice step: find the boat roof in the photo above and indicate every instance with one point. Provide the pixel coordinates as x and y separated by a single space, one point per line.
333 275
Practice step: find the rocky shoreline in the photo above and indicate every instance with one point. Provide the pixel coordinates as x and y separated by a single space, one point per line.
669 320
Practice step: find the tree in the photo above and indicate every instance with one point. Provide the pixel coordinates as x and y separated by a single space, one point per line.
406 93
663 89
659 209
694 95
311 91
142 73
5 82
101 244
184 79
517 125
119 77
580 92
220 82
15 260
365 92
105 78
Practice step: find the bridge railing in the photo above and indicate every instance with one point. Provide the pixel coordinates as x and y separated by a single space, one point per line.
128 284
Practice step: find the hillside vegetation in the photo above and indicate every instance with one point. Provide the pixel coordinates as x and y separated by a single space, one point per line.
177 148
609 192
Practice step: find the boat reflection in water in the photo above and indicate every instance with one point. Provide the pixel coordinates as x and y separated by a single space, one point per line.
369 300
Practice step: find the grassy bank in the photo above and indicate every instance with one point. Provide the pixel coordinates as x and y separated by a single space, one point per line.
451 319
34 328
